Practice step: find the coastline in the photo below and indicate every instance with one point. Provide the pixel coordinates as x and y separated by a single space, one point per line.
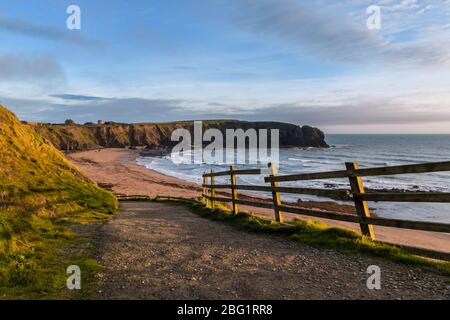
118 169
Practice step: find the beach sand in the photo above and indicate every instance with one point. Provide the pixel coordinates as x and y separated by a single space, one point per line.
118 168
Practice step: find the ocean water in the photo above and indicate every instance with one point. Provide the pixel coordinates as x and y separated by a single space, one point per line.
368 151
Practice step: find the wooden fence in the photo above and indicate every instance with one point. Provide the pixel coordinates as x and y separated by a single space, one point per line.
356 193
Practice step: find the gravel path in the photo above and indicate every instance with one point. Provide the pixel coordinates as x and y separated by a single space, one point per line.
160 251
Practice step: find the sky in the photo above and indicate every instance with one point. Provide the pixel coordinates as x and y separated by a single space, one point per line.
311 62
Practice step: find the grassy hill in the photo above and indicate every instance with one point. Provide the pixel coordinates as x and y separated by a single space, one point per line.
41 193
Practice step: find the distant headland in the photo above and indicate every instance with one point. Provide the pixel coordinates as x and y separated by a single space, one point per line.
106 134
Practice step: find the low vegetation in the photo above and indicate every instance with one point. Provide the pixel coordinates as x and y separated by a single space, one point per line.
41 196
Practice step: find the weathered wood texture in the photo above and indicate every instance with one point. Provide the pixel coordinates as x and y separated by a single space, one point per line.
357 193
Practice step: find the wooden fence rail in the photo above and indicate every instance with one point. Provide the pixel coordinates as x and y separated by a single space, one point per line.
356 193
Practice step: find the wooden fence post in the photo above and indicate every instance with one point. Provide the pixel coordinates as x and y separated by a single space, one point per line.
213 192
362 208
275 194
205 190
233 190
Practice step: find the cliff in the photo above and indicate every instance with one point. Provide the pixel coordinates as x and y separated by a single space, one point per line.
158 135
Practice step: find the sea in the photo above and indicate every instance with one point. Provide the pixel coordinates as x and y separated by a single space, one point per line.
368 150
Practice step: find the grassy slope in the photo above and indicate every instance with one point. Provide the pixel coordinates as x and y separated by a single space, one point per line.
41 193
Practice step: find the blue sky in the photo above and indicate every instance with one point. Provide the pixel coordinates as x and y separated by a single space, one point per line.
307 62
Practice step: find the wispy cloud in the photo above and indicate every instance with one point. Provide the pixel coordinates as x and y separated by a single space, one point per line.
405 5
306 62
30 29
305 29
321 30
340 112
76 97
17 67
82 110
376 112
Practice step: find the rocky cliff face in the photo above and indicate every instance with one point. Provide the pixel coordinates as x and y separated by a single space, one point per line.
158 136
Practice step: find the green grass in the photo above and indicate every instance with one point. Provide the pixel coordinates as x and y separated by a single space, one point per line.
41 196
36 252
316 234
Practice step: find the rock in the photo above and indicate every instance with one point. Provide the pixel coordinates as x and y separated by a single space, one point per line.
158 136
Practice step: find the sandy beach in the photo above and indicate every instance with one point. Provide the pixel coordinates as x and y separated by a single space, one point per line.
118 168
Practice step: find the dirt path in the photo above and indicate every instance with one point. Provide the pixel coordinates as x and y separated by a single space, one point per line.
160 251
119 168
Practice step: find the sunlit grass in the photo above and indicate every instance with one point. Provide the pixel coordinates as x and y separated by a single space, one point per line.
41 195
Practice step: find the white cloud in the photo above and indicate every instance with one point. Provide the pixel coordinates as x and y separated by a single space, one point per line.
405 5
322 30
